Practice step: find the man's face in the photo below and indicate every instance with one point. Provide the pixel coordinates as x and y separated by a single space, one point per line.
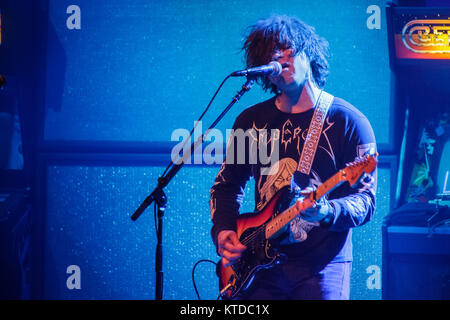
295 70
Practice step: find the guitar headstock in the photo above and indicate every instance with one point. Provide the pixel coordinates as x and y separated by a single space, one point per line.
355 169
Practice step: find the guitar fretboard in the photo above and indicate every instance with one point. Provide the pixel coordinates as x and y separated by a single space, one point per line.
282 219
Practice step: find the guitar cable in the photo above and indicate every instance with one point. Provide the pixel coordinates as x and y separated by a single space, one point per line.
193 275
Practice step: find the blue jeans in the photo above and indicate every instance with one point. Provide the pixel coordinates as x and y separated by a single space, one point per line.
291 281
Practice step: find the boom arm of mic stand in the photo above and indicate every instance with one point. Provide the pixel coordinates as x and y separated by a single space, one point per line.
158 194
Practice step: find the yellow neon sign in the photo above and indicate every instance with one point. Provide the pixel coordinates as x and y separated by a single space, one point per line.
424 39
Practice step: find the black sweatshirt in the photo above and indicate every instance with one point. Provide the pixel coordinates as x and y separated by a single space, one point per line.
346 134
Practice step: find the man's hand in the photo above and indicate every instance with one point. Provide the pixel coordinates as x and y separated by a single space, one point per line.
229 247
321 209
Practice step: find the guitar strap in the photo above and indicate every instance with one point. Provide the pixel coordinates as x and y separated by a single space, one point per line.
299 227
315 129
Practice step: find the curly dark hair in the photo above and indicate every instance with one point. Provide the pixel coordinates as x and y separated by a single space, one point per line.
282 32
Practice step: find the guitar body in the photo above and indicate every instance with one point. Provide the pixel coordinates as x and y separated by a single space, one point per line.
258 231
260 252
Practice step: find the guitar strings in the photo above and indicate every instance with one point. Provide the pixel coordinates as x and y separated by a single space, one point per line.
252 236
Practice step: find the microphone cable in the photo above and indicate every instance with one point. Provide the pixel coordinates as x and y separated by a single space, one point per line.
197 122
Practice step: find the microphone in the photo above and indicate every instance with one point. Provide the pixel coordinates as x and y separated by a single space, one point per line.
274 69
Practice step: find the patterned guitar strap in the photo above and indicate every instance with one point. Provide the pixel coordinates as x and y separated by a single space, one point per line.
300 227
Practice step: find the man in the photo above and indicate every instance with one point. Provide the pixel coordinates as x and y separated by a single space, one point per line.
319 266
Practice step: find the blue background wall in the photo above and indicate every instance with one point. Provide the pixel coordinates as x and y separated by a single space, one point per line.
88 225
136 72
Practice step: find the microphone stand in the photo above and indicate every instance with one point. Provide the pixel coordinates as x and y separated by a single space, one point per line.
159 198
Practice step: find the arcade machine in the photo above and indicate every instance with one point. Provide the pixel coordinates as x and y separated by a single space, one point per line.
416 235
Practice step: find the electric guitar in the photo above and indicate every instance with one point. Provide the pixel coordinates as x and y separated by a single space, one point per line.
258 230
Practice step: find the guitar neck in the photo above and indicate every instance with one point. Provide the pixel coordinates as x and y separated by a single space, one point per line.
329 184
282 219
